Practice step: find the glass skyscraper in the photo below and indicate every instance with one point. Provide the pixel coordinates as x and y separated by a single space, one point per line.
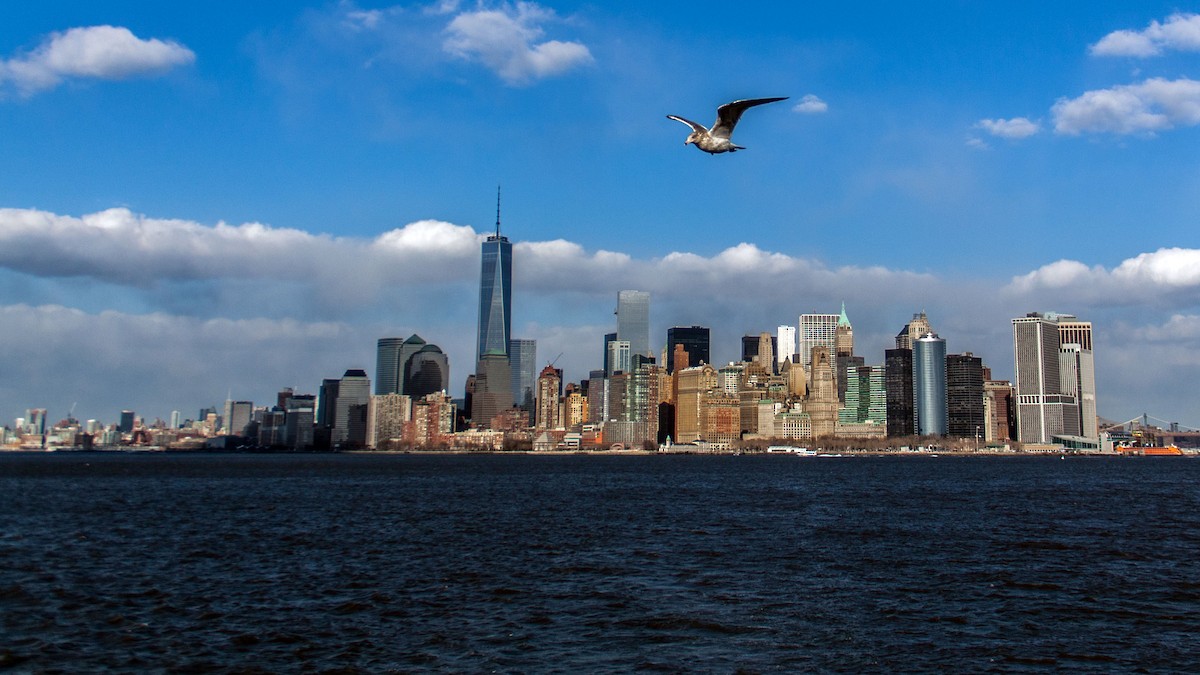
522 356
495 295
633 321
929 380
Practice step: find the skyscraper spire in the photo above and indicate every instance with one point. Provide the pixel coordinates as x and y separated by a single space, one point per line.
497 211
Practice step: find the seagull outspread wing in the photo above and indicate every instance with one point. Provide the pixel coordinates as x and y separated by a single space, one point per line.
694 125
729 114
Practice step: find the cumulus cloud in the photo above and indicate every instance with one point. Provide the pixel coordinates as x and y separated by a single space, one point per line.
1017 127
1180 32
1145 108
1145 276
811 104
100 52
508 40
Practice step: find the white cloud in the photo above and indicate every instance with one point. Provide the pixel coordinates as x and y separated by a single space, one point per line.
811 104
102 52
1147 277
1017 127
1180 32
506 40
1151 106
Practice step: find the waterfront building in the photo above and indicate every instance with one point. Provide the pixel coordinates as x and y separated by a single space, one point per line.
1044 410
432 423
237 416
387 416
785 341
720 419
575 409
929 383
766 352
350 410
998 411
693 339
898 380
126 424
866 396
298 432
391 357
633 321
965 396
549 410
693 384
1078 371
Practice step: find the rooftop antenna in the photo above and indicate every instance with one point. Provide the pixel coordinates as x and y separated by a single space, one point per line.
497 211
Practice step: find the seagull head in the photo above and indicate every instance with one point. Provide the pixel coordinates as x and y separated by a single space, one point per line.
693 137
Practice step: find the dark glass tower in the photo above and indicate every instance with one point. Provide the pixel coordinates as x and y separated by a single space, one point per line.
898 380
495 293
695 341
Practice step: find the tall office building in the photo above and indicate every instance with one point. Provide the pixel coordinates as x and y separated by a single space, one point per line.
1078 371
817 330
929 384
237 416
427 372
619 358
493 372
126 424
844 335
391 362
493 389
633 321
965 396
901 408
522 355
350 409
766 352
785 341
822 404
695 341
1044 410
866 396
912 331
495 293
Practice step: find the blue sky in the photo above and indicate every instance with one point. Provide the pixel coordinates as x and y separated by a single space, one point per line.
204 198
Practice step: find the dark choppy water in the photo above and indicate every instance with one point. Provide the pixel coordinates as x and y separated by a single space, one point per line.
585 564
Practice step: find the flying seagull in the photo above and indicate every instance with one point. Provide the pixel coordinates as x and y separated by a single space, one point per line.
716 140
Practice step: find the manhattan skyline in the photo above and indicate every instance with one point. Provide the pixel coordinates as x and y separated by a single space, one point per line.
250 200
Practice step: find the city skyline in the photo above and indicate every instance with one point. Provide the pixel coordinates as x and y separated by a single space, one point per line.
248 201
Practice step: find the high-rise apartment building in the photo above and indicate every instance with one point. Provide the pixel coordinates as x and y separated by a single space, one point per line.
549 409
633 321
522 356
929 384
1044 410
695 341
965 396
